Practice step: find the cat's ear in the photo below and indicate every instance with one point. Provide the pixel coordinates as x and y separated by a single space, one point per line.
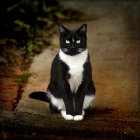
83 28
62 29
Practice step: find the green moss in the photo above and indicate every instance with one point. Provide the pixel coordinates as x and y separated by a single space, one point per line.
22 79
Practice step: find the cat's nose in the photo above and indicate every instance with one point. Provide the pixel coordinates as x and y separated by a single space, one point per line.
72 46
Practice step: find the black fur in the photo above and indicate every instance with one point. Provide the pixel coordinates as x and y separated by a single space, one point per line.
59 85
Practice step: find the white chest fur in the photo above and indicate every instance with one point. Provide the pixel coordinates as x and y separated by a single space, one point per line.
75 64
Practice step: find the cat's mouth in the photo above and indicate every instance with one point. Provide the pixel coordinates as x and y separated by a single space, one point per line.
72 51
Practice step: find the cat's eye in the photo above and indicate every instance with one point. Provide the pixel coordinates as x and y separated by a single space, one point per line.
78 41
67 41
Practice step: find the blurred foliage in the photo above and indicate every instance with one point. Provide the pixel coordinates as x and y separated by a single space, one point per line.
22 20
25 29
22 79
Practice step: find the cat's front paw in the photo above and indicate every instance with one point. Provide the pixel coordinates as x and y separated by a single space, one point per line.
78 117
65 116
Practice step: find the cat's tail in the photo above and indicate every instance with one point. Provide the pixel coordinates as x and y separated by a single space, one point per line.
40 96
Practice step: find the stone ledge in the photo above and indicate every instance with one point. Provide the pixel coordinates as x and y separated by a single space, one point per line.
21 124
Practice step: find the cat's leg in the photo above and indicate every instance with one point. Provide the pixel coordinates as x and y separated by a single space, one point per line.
69 112
84 98
78 102
67 96
86 107
64 90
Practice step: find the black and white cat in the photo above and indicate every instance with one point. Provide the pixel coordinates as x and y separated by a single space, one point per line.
71 90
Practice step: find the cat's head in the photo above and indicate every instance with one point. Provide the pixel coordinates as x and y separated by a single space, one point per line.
73 41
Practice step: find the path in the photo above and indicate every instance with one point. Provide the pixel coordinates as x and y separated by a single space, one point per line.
113 47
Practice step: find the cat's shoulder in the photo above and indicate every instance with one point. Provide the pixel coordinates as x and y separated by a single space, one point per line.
57 61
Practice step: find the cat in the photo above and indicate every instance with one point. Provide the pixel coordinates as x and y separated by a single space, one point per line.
71 90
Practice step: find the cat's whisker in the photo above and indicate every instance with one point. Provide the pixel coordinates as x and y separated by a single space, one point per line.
64 50
80 50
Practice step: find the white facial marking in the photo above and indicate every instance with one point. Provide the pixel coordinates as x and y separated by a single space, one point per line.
75 64
78 117
59 103
88 101
80 50
65 116
65 50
